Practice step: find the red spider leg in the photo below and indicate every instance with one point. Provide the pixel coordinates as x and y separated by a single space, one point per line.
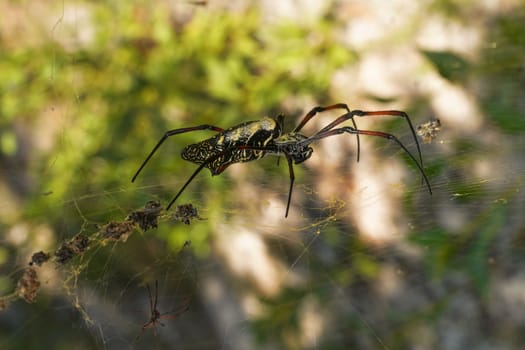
352 114
172 133
173 314
350 130
320 109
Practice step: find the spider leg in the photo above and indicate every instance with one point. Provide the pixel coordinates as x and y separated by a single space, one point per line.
290 169
151 307
209 160
247 147
292 179
280 121
350 130
172 133
352 114
156 296
201 166
320 109
175 313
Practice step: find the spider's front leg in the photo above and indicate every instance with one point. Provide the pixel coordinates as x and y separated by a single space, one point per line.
350 130
359 113
319 109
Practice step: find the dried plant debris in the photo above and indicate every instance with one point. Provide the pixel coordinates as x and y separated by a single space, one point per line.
75 246
185 212
64 254
79 243
117 231
39 258
428 131
146 217
28 285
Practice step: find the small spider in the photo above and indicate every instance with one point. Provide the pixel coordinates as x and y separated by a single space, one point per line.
156 315
254 139
429 130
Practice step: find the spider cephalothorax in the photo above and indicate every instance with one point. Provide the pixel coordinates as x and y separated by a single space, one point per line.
254 139
295 145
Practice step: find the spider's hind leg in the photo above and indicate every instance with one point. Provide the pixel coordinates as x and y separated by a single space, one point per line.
173 133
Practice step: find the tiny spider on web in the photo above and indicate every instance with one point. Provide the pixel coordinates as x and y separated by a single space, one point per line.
429 130
156 315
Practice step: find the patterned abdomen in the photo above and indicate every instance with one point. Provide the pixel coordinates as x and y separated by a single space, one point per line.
225 145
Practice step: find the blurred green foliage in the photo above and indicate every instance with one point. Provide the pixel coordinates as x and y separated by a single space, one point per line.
451 66
502 64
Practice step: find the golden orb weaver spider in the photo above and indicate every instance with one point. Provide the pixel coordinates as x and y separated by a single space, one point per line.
254 139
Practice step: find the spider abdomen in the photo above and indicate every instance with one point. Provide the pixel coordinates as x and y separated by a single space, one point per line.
253 133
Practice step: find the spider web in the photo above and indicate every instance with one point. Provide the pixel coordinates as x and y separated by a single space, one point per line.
366 259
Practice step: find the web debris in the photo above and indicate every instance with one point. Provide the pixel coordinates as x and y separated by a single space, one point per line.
145 218
185 212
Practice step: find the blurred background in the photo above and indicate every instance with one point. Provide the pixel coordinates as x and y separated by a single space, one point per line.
367 258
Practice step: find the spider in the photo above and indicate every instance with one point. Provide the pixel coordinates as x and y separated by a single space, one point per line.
156 316
429 130
252 140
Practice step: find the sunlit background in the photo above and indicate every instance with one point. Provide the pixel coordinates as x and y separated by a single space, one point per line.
366 259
